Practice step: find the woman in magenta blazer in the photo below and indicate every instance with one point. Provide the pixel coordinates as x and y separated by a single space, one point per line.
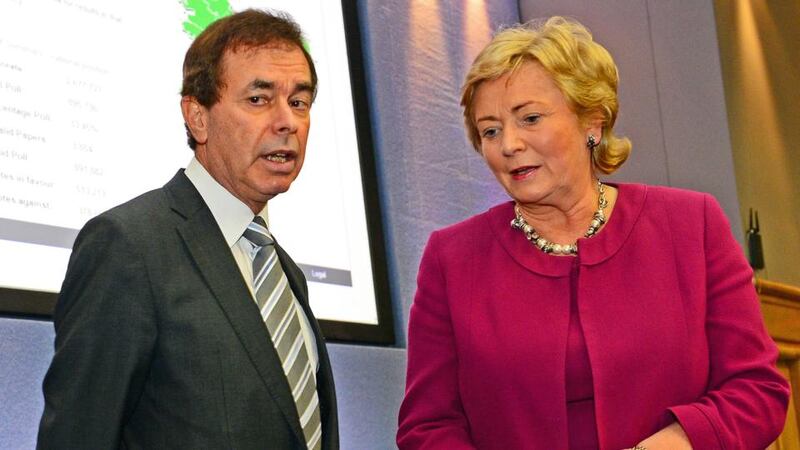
581 314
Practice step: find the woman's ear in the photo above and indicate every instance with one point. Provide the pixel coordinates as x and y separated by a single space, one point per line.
594 126
195 116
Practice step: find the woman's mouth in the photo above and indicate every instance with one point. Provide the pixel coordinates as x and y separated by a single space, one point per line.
520 173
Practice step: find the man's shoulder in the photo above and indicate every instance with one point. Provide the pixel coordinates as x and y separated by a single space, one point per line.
143 209
144 215
148 209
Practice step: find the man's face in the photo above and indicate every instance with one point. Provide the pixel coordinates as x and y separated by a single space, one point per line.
253 140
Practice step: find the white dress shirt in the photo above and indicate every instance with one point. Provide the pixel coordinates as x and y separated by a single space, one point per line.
233 217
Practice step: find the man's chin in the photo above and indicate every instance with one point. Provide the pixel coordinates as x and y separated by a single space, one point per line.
274 189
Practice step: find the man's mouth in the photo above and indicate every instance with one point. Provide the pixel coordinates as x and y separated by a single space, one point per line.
279 157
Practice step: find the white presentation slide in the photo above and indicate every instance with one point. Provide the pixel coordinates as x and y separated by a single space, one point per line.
90 118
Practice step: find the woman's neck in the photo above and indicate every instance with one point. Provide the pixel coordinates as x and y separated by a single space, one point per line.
566 220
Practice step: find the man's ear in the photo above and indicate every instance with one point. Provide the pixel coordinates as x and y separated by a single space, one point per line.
195 116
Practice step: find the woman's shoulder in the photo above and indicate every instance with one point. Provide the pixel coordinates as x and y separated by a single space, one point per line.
683 209
674 197
475 228
676 193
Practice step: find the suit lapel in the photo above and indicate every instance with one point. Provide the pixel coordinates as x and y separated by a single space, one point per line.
215 262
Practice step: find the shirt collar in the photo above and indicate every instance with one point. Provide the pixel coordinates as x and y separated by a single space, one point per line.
231 214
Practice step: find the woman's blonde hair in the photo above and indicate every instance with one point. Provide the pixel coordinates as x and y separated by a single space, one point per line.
582 69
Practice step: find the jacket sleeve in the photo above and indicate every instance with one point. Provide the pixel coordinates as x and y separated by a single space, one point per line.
105 333
745 403
431 415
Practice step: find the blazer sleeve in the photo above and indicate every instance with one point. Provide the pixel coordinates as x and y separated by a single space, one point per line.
431 415
105 334
745 403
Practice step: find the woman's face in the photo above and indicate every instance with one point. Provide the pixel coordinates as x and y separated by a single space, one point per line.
533 142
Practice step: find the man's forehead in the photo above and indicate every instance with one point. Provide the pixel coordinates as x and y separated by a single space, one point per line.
281 54
248 50
287 55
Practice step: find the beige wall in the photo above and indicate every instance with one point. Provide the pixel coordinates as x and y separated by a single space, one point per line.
760 58
672 101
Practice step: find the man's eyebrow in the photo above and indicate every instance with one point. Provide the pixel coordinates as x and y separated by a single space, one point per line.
259 84
304 87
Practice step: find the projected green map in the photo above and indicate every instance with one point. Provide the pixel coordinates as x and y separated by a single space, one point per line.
203 13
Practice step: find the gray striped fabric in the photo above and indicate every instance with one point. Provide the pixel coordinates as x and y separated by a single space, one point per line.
277 305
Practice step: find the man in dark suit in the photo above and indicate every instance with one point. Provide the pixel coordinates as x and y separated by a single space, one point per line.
175 328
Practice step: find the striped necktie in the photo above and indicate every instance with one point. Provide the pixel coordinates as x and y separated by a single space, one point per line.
279 311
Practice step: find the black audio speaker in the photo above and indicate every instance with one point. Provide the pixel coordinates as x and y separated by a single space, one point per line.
755 251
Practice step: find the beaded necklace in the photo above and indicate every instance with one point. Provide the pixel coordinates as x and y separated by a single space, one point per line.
598 219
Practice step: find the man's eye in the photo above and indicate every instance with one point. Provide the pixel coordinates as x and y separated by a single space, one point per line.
256 100
298 104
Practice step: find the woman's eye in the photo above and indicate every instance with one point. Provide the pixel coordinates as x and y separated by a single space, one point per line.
533 118
489 133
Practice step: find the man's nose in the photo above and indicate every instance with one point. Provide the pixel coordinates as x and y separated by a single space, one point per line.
284 119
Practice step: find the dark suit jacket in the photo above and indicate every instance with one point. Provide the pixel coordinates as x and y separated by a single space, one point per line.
159 343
